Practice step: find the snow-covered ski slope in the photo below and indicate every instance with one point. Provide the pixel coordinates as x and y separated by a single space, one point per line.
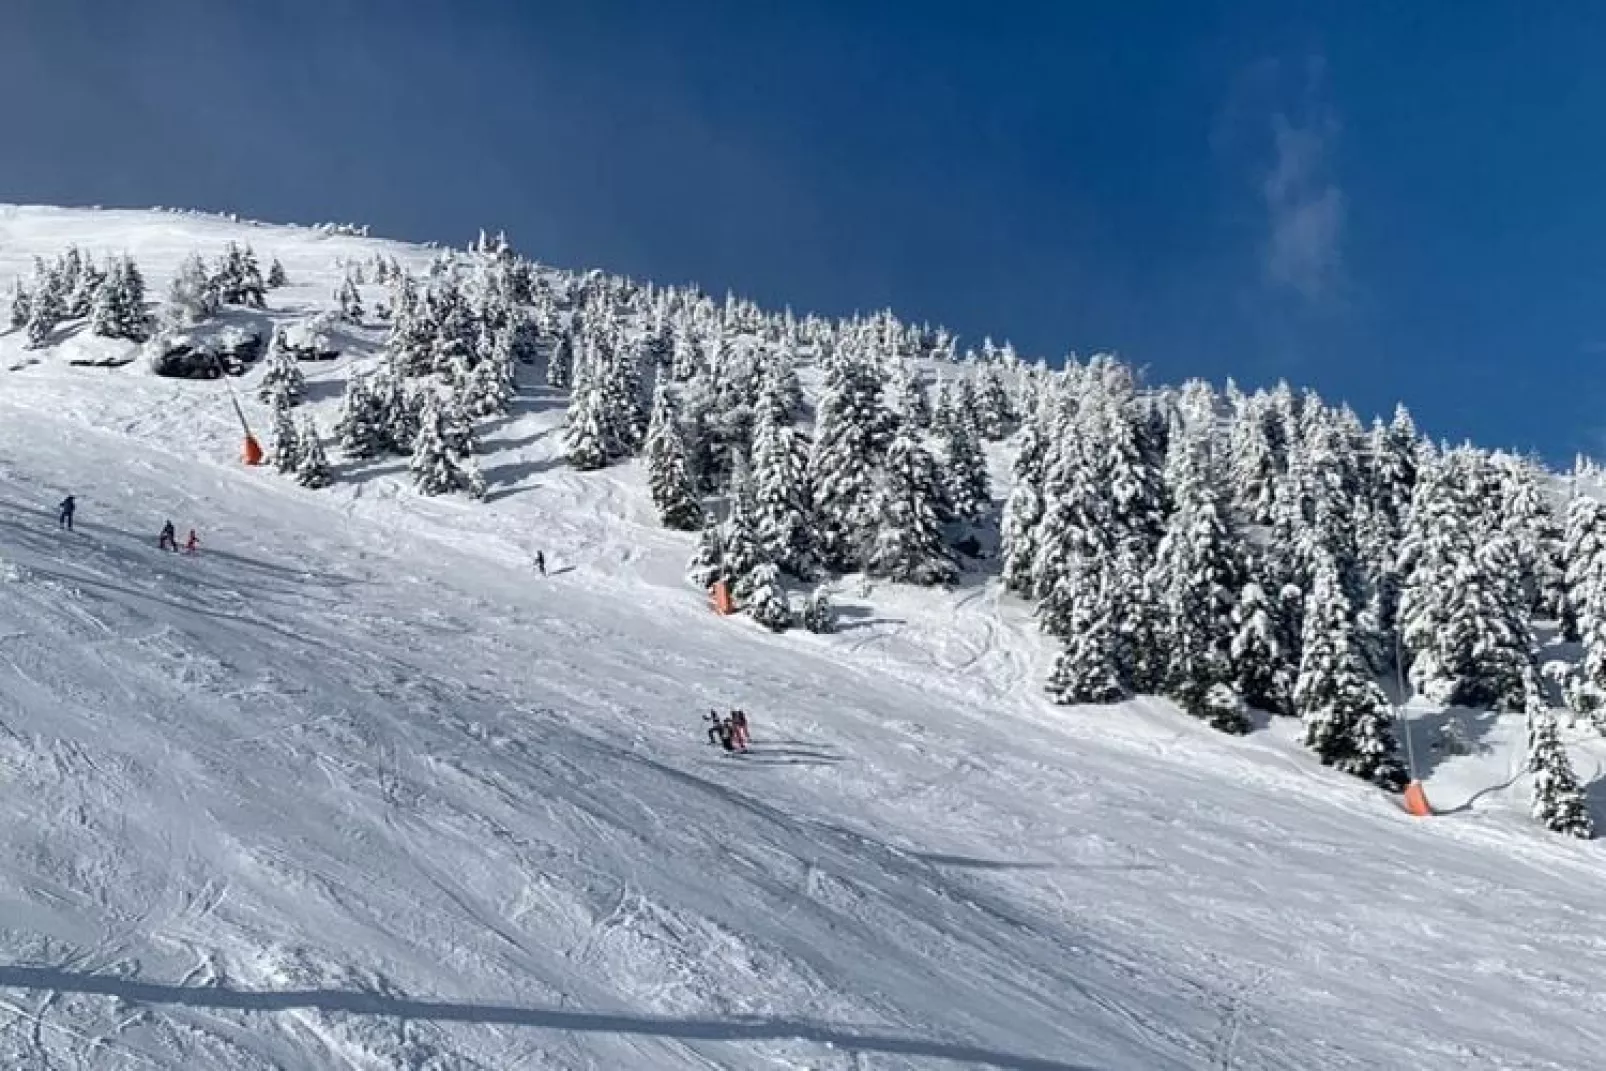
354 787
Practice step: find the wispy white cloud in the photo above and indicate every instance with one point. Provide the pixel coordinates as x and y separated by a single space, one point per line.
1305 209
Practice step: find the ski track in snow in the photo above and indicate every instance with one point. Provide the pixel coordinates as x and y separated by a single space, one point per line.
354 788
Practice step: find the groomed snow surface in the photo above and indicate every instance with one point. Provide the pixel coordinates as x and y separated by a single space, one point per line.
355 788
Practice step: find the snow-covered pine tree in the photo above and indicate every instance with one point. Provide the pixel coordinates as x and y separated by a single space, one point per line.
625 421
1462 622
909 546
438 464
82 298
350 301
489 390
286 439
1023 509
674 492
942 407
119 307
742 552
1196 576
560 362
282 376
1393 465
707 565
914 405
21 305
781 509
1260 663
1086 670
276 275
360 429
850 442
46 308
965 485
996 415
585 436
1583 554
765 601
1526 519
1254 461
1559 802
1347 718
192 298
312 467
69 270
819 616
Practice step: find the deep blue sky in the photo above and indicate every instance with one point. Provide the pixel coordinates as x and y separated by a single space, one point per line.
1384 201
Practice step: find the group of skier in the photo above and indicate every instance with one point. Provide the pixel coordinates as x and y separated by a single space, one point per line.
167 540
728 732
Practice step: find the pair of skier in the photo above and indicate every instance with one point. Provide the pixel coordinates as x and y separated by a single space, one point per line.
730 732
169 541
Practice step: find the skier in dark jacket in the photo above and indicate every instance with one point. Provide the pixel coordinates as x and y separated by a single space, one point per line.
720 731
64 518
167 541
540 562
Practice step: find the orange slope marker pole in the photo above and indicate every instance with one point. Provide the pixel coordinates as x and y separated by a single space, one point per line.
1416 799
251 452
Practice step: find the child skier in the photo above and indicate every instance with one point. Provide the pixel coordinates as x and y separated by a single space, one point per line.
738 723
167 541
192 544
64 518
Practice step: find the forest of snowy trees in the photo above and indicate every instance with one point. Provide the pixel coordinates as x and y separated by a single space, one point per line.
1236 552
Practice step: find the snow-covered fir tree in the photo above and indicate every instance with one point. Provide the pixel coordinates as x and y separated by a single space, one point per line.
350 302
781 510
674 492
1260 661
118 310
283 376
1023 509
1583 555
850 441
1462 622
819 616
1086 670
1347 718
47 307
1559 802
86 288
560 362
439 465
909 546
765 601
193 297
1196 576
914 404
966 488
276 275
360 429
707 565
585 434
312 466
997 409
21 305
286 438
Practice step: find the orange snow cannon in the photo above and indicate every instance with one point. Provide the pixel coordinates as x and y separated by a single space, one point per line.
252 452
1416 801
721 594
